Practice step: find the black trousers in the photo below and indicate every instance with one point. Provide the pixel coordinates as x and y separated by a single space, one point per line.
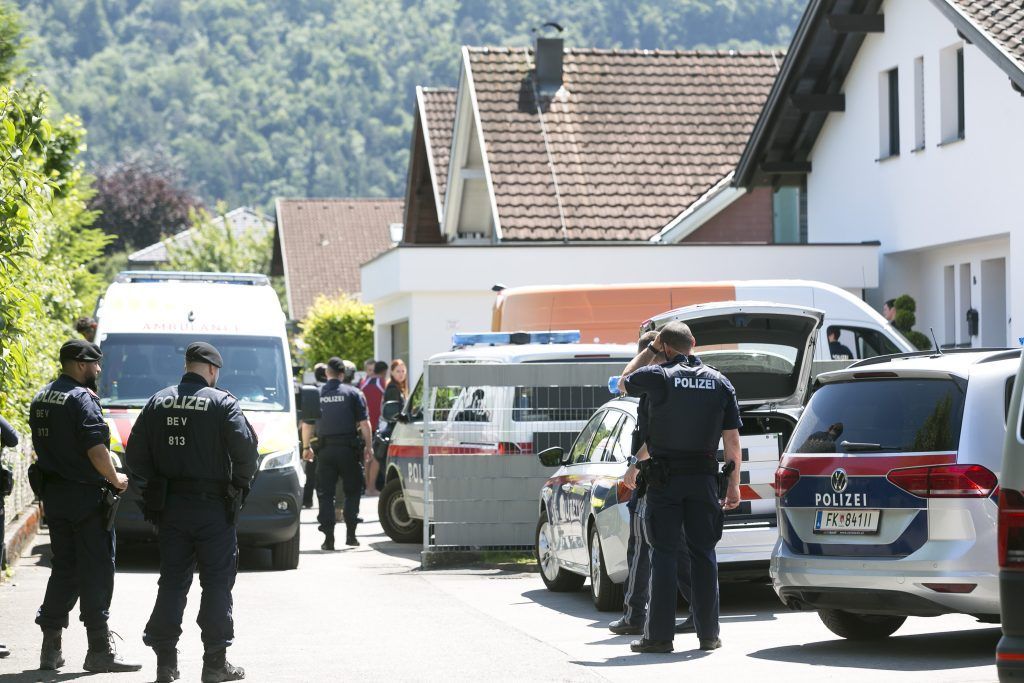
638 556
688 502
333 462
195 531
83 556
309 489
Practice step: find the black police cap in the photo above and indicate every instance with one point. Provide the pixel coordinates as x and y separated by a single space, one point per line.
336 364
80 350
201 352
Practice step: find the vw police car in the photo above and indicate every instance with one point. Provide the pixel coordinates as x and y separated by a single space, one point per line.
507 420
766 351
888 490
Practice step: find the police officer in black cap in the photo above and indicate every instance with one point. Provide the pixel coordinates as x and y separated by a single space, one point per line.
74 476
194 455
343 418
692 406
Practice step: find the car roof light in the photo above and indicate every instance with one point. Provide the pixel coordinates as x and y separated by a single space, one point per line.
464 339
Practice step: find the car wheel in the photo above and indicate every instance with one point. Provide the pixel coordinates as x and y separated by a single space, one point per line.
285 555
555 578
394 516
607 595
860 626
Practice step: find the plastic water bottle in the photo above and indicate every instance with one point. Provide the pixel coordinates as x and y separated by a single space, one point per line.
613 384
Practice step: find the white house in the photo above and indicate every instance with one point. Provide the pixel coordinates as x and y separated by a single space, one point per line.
241 220
905 125
581 166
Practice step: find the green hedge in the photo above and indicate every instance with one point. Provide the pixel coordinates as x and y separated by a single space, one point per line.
340 327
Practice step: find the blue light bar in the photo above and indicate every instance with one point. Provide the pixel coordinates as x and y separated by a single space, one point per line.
498 338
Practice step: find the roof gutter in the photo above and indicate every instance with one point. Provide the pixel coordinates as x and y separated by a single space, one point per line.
709 205
983 41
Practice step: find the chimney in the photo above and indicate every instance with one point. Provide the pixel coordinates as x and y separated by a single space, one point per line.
548 60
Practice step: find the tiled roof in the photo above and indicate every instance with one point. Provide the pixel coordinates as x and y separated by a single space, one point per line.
635 136
243 218
324 241
438 121
1002 20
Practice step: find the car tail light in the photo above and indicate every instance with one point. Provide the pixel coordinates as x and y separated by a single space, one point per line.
785 479
624 492
958 588
946 481
513 448
1011 529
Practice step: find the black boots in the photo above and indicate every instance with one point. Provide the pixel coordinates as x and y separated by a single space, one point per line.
328 543
50 658
102 656
166 665
216 668
350 535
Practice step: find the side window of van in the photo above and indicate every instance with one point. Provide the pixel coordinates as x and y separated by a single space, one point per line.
444 400
865 342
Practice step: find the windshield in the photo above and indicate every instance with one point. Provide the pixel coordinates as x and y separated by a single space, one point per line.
890 415
136 366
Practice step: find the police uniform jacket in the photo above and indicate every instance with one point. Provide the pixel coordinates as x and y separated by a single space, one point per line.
193 431
8 436
342 408
67 421
690 405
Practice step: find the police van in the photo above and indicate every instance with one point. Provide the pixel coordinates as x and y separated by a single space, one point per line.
484 419
766 350
145 322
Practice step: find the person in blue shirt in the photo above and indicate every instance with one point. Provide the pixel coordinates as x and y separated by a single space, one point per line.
692 407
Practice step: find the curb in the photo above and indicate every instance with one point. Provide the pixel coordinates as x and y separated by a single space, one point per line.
20 533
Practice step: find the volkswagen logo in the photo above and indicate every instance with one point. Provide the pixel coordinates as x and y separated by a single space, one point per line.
839 480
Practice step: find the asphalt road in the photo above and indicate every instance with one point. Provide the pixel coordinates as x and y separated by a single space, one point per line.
371 614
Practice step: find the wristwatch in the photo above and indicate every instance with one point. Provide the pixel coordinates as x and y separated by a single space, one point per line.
650 347
631 460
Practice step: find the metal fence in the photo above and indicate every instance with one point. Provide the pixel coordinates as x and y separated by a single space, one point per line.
483 427
18 459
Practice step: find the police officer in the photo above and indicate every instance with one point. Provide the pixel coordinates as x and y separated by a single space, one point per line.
692 407
8 439
194 455
637 592
343 417
312 393
74 469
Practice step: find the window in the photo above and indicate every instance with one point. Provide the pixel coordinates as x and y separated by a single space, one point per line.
919 136
400 341
552 404
416 402
860 342
951 90
624 440
604 440
889 114
1008 397
444 401
581 447
895 415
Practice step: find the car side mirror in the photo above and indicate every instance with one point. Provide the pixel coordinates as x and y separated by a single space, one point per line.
309 401
552 457
391 410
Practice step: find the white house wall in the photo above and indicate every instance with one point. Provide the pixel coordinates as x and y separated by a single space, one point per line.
967 191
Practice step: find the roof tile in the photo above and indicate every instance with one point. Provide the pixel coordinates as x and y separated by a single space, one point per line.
439 121
1003 20
635 136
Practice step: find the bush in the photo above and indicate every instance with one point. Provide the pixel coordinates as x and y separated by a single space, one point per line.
905 320
338 327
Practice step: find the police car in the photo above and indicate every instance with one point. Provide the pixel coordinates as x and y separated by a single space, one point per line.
766 351
146 320
1010 653
502 420
888 491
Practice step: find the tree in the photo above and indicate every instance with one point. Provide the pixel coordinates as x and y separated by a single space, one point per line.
337 327
139 200
217 246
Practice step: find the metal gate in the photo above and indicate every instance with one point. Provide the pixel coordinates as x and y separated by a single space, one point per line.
484 425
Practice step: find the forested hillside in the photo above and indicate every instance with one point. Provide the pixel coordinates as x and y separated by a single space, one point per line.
257 98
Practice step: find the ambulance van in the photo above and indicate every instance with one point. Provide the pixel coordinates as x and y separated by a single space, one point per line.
145 322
